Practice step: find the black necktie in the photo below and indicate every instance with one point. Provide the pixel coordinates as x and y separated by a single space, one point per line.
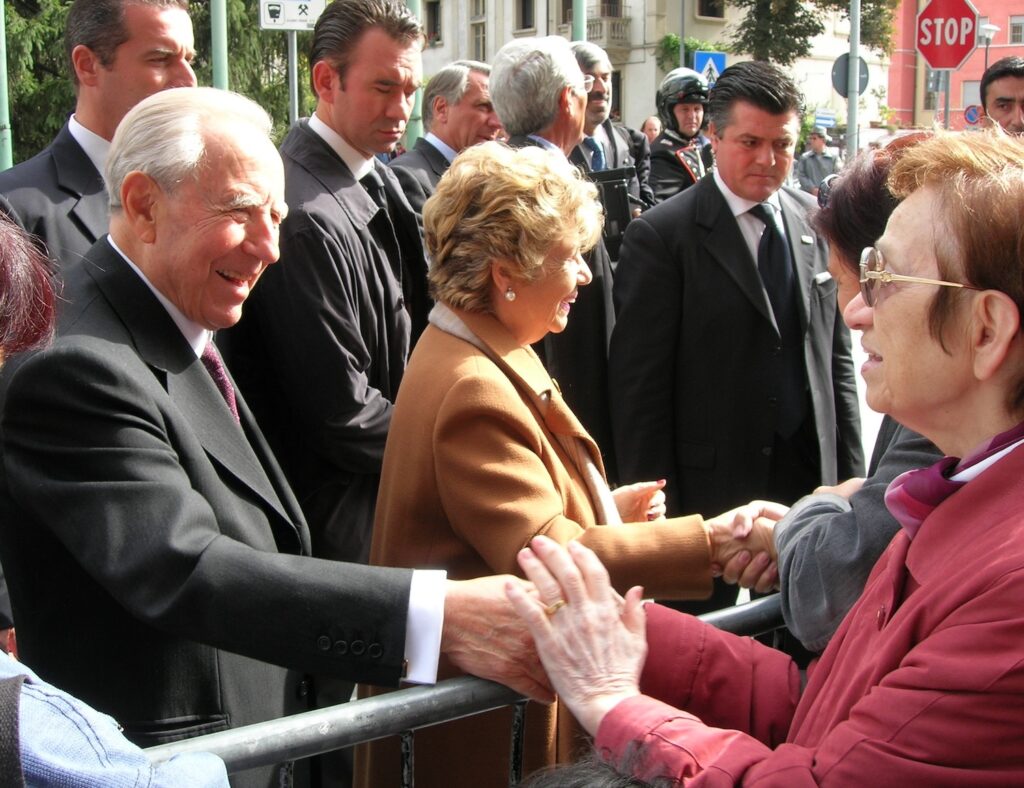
374 186
211 360
775 266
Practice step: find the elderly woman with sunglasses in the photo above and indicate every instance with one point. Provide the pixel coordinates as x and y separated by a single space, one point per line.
921 684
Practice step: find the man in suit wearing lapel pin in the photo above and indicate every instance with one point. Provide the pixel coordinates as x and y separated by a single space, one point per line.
730 371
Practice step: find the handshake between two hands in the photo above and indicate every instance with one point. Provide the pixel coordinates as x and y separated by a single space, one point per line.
743 545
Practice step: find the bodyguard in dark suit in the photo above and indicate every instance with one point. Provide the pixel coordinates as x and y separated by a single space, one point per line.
541 97
350 296
119 53
457 113
731 374
158 562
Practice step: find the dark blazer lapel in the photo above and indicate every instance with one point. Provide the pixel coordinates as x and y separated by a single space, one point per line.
433 157
794 218
77 175
723 242
161 346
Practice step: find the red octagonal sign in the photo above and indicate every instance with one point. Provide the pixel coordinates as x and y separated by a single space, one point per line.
947 33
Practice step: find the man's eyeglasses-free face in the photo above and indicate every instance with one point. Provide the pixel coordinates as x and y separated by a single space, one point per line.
873 277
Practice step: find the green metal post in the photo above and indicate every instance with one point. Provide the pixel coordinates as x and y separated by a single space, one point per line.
414 128
579 20
853 82
6 154
219 42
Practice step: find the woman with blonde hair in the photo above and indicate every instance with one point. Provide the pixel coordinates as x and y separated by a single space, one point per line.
483 454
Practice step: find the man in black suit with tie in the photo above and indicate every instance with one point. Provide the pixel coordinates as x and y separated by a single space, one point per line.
159 564
457 113
119 52
540 94
731 372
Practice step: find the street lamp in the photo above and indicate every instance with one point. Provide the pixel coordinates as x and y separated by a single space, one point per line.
986 33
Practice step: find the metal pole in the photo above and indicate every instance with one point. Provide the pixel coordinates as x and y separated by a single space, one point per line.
293 77
414 128
945 111
6 154
853 81
219 42
579 20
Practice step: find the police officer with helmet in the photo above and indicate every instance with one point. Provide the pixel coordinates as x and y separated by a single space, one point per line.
678 156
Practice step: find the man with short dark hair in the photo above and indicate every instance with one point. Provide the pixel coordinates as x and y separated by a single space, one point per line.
1002 94
119 52
607 145
817 163
457 113
730 371
540 94
323 344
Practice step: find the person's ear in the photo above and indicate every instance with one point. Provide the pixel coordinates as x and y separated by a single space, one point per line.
441 109
86 65
140 197
994 333
325 77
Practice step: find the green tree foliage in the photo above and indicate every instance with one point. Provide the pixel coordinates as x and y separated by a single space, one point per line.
668 55
781 30
40 86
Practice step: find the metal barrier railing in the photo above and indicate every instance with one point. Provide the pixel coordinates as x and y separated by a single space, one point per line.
400 713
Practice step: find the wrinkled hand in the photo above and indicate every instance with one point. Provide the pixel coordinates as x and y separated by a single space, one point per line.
844 489
640 502
483 635
594 646
743 545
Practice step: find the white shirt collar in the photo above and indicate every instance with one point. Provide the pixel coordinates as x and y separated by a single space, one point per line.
196 336
358 164
739 205
95 147
446 150
546 144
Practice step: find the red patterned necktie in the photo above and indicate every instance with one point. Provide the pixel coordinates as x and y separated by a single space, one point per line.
212 361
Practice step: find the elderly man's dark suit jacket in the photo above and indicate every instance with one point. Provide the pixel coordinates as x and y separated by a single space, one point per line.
419 171
156 558
59 197
577 358
323 341
693 371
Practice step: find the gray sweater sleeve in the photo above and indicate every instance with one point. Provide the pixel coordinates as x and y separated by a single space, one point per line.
828 545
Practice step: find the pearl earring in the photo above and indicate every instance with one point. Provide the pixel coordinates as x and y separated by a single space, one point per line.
510 294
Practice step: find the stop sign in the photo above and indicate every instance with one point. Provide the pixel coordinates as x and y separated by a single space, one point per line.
947 33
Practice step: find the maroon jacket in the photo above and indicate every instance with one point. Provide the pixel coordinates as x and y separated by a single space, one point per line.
921 685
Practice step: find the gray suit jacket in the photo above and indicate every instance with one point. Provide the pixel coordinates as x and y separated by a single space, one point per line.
692 373
419 171
157 560
59 197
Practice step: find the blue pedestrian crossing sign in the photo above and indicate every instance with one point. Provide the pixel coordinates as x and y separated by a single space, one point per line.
709 65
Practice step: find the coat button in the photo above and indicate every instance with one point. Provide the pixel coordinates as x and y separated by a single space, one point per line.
323 643
880 616
358 648
766 451
340 647
375 651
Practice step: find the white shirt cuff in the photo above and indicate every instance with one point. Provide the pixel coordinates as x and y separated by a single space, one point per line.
423 626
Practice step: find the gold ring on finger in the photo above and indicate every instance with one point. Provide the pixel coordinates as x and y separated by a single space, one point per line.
554 607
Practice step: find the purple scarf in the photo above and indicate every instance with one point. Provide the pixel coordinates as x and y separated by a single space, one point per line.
913 495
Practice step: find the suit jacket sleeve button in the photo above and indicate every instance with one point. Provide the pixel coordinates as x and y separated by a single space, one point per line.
375 651
341 647
358 648
323 643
